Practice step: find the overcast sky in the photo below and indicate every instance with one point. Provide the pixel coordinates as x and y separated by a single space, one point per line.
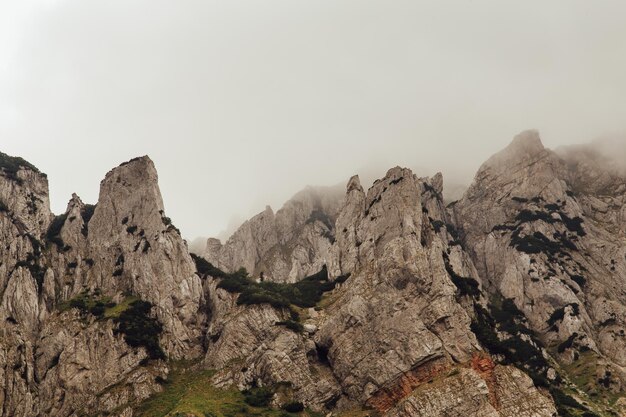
243 103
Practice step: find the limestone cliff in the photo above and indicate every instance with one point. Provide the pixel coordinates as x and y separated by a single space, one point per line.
284 246
508 302
547 231
58 360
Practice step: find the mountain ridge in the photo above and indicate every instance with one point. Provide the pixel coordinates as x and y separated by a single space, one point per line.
384 300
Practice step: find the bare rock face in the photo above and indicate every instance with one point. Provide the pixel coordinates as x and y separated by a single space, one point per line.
396 322
54 360
504 392
264 352
129 233
546 230
424 313
285 246
398 311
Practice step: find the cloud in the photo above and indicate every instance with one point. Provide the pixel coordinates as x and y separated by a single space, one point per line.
242 103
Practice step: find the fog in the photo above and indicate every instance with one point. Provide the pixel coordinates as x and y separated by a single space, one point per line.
243 103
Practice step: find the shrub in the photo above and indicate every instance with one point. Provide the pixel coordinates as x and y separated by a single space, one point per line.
3 207
87 213
437 225
141 330
54 230
291 325
534 244
319 215
465 285
88 304
567 344
578 279
205 267
11 164
293 407
574 225
305 293
526 216
563 400
515 350
342 278
258 396
502 227
168 222
36 271
559 314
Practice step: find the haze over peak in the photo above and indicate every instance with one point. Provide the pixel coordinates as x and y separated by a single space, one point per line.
254 100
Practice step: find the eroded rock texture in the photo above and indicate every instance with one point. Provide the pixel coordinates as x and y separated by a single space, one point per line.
285 246
547 231
55 360
509 302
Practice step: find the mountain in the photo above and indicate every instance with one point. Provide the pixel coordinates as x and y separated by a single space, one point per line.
286 246
386 301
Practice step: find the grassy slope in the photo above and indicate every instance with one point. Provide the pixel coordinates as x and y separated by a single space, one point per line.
190 393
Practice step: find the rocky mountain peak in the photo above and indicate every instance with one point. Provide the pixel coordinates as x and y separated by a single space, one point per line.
525 149
384 299
75 202
24 194
129 197
287 245
527 141
354 184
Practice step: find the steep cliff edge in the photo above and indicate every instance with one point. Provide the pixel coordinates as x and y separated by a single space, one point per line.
395 314
79 289
508 302
546 231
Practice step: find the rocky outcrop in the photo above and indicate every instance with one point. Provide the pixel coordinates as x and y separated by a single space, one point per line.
545 230
511 394
252 347
508 302
399 308
284 246
400 317
57 360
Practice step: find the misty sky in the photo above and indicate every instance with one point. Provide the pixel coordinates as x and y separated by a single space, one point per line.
243 103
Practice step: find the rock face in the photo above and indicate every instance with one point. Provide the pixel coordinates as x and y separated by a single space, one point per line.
284 246
396 321
54 360
546 230
399 307
506 392
509 302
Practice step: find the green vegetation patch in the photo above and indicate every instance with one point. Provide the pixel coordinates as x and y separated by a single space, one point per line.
97 305
87 213
54 230
505 317
306 293
11 164
190 393
132 316
583 373
140 329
